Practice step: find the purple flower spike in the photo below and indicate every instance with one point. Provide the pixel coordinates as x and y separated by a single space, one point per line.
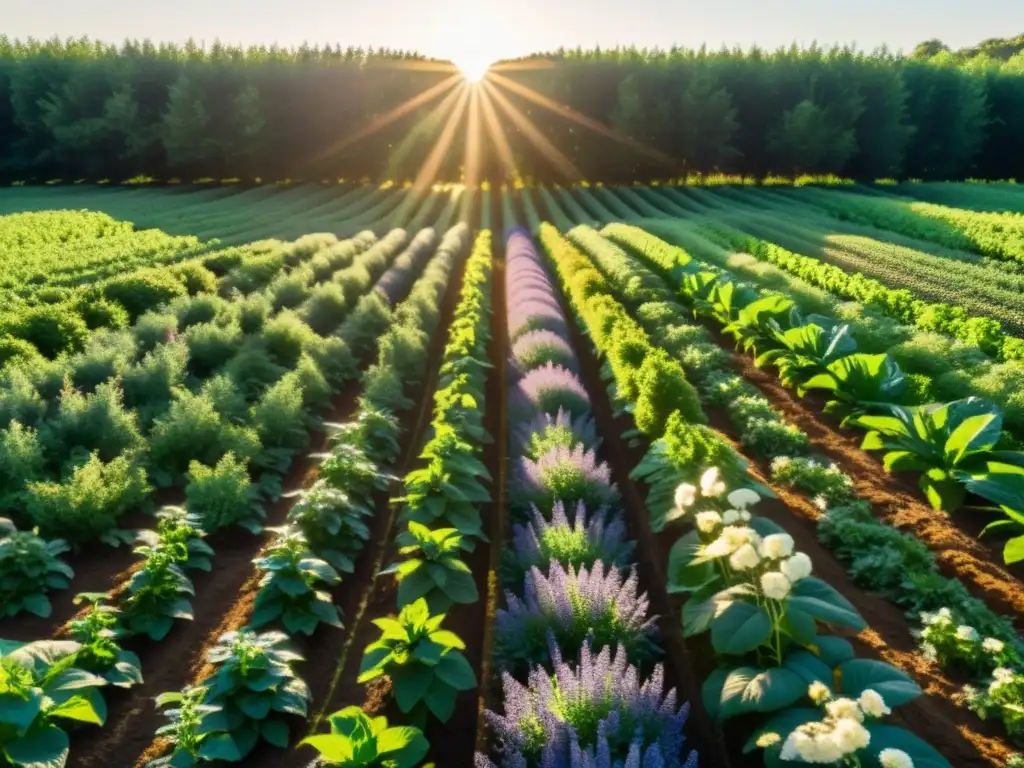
539 348
545 431
569 475
599 714
547 390
579 542
573 605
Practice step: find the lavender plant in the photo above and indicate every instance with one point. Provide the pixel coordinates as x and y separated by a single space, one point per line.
573 605
598 714
578 542
540 348
546 431
566 475
548 390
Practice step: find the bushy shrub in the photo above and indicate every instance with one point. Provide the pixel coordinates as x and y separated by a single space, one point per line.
99 312
252 312
661 389
279 417
335 361
310 244
316 390
194 430
383 387
12 348
321 268
85 424
227 399
108 354
252 369
211 346
19 399
21 462
287 291
87 505
201 308
154 329
405 350
52 329
286 337
149 385
195 277
774 437
354 282
221 495
325 309
564 475
367 323
144 289
254 273
222 262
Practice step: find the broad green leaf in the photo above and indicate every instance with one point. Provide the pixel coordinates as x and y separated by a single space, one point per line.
749 689
410 685
823 602
45 747
455 670
275 731
82 709
333 747
857 675
405 745
921 753
221 746
740 628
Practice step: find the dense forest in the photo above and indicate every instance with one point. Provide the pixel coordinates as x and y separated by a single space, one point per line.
81 109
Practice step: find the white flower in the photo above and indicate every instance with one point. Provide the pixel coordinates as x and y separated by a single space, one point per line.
895 758
992 645
744 558
968 634
745 516
743 498
730 539
775 586
731 516
779 462
812 743
821 502
944 614
1001 676
686 494
845 709
819 692
929 651
777 546
708 521
711 484
796 567
872 703
851 736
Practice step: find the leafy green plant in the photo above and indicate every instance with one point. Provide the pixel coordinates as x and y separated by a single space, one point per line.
158 593
758 324
432 569
191 731
359 741
288 589
144 289
940 441
806 351
333 523
98 630
39 687
859 381
254 685
87 505
423 662
224 495
281 422
374 430
29 568
180 532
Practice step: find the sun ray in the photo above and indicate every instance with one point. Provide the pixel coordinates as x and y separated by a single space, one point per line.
474 139
571 114
391 116
525 64
561 163
425 129
497 136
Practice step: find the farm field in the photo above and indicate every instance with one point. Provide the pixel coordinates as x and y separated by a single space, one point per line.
514 476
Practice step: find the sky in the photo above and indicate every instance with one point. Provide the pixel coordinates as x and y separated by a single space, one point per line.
486 30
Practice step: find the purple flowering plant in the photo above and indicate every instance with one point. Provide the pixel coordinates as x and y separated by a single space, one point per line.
564 474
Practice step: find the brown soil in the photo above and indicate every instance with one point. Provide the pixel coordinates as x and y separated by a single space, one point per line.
686 663
897 501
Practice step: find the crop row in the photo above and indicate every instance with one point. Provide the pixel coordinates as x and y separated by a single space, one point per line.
750 591
880 558
575 632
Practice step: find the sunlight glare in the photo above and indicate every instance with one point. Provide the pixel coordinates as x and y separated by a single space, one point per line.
472 65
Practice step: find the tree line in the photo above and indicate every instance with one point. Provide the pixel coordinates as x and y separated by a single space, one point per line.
80 109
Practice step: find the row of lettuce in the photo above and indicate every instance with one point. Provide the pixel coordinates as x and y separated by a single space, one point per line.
253 681
749 590
575 642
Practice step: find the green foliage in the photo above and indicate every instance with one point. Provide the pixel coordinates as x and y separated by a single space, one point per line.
325 308
196 278
101 313
332 521
143 290
662 389
359 741
200 308
43 687
369 320
288 291
432 569
29 568
84 423
223 495
193 430
87 505
253 312
280 420
21 462
157 593
423 662
287 337
181 532
187 733
14 349
97 630
252 369
291 589
51 329
210 346
153 329
254 273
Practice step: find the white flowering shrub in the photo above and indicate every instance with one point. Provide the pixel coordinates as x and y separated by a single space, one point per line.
951 643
